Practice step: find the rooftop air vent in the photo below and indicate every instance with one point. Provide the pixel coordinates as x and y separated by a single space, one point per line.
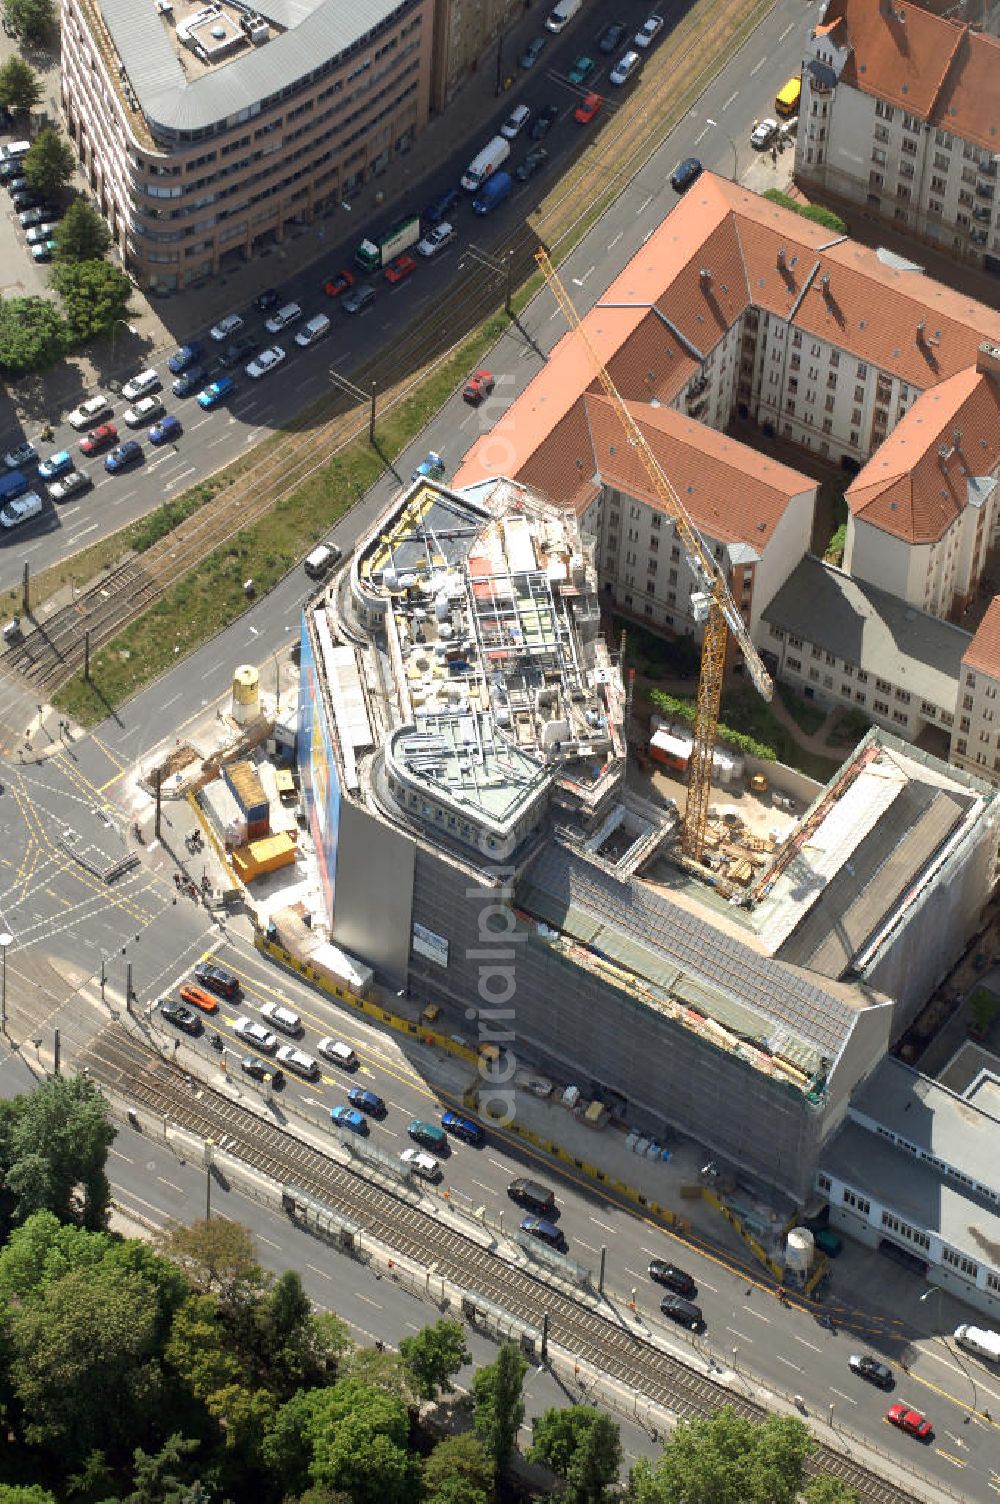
705 274
781 255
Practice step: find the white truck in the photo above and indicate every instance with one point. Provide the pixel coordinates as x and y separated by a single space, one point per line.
977 1340
486 162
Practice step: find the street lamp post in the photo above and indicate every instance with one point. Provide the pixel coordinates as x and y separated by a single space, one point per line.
6 940
939 1334
716 126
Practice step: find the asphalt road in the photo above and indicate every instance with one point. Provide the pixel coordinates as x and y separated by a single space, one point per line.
211 440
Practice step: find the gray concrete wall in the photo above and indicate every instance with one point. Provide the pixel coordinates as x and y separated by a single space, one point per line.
374 892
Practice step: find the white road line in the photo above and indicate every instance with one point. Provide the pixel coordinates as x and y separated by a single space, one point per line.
487 1188
613 243
77 536
499 1166
119 1155
730 100
368 1300
582 1244
842 1396
742 1335
261 1239
598 1223
206 419
699 139
751 1312
323 1272
634 1272
644 205
222 439
189 471
757 66
172 701
787 29
579 281
788 1363
704 1285
69 511
807 1344
171 1183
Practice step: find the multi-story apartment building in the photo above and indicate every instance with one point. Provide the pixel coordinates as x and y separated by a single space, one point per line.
900 112
465 31
975 742
206 131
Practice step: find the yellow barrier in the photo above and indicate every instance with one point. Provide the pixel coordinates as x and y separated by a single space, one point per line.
757 1249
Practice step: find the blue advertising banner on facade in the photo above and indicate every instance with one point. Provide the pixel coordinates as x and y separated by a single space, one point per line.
317 767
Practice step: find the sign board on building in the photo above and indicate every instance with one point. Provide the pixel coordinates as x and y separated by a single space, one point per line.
433 947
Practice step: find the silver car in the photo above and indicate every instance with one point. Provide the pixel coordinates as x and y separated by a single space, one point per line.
254 1033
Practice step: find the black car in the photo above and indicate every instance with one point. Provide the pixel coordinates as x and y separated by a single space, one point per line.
867 1367
611 36
684 1312
675 1279
26 198
238 351
181 1017
267 301
544 121
529 57
439 208
217 979
685 173
193 379
533 162
261 1070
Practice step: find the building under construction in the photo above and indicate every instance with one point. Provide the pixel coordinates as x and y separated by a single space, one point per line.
462 757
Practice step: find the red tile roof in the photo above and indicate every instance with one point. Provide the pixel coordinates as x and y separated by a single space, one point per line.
916 484
932 66
983 652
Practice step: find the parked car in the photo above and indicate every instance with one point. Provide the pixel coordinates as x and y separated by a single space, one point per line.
265 362
20 455
22 509
236 352
41 233
424 1165
439 208
437 237
265 301
611 36
216 392
516 121
89 412
167 431
349 1117
123 456
581 70
367 1101
358 299
338 283
43 251
685 173
180 1017
312 330
99 438
428 1135
533 1195
533 162
544 121
763 133
467 1129
70 484
141 385
142 412
431 468
478 387
398 270
217 979
675 1279
910 1421
587 108
255 1034
192 381
19 184
529 57
225 327
684 1312
31 210
188 355
627 66
262 1070
872 1369
56 465
648 32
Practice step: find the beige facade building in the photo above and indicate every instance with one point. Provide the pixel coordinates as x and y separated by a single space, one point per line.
975 743
466 36
208 131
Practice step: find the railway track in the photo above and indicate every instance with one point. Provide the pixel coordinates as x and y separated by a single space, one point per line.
51 656
146 1080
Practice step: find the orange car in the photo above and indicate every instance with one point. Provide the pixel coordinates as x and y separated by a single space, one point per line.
587 109
198 997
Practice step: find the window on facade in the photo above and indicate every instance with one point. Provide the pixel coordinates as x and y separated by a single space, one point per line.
858 1202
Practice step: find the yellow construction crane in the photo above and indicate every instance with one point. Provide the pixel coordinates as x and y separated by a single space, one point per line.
712 604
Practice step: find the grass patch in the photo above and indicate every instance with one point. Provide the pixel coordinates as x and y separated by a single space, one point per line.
806 713
211 596
745 711
815 212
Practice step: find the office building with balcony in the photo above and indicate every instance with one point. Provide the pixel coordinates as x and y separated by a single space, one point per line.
209 132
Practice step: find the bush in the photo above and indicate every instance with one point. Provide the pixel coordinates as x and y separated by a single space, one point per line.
815 212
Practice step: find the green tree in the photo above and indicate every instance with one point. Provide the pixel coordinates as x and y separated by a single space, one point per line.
25 1493
82 1362
49 164
219 1258
32 337
827 1490
95 297
83 234
297 1348
163 1477
368 1464
457 1491
20 86
433 1357
54 1143
496 1390
382 1370
31 21
458 1459
581 1446
726 1459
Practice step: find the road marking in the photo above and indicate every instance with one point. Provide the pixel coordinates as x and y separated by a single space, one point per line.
579 281
751 1312
77 536
504 1168
172 1184
368 1300
261 1239
487 1188
733 96
787 29
172 701
635 1272
842 1396
757 66
807 1344
613 243
956 1439
788 1363
699 139
206 419
955 1461
119 1155
644 205
69 511
742 1335
598 1223
323 1272
704 1285
222 439
586 1245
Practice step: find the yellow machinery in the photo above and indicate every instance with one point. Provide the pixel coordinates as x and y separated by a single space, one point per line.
712 605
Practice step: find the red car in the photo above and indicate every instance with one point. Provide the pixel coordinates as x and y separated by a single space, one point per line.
99 438
587 109
910 1421
478 387
338 284
397 271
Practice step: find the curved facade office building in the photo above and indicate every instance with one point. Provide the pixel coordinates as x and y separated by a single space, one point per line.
210 131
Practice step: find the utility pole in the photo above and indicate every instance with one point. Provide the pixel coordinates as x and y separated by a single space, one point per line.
371 418
86 655
600 1277
6 940
56 1051
208 1179
159 802
128 987
25 603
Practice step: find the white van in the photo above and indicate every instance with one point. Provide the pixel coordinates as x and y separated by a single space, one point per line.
284 316
492 156
978 1340
313 330
297 1061
14 151
341 1054
282 1018
320 560
562 14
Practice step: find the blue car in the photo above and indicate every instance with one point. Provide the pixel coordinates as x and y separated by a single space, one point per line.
164 432
216 392
347 1117
124 455
439 208
192 380
431 468
359 1096
187 356
55 465
463 1128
